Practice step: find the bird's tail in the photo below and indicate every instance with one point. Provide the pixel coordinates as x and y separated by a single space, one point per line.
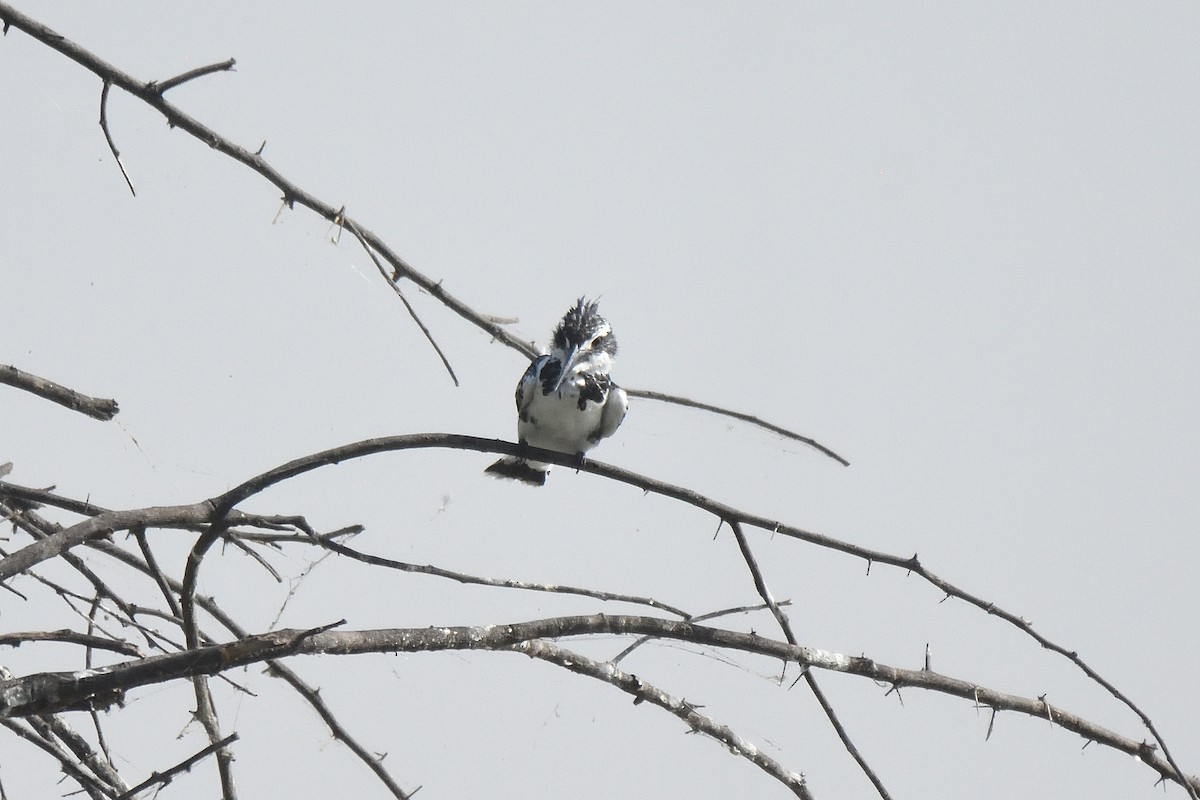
518 469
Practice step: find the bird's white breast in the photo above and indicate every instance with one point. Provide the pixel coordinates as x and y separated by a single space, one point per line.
556 422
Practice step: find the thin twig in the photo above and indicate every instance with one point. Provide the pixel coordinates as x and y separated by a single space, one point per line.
108 135
645 692
31 498
95 788
276 668
160 579
250 551
760 585
641 640
199 72
206 711
395 284
753 420
462 577
81 749
280 670
184 766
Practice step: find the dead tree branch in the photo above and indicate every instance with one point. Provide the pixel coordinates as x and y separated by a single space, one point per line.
54 691
74 637
760 584
184 766
222 506
462 577
648 693
112 146
87 782
151 93
690 497
95 407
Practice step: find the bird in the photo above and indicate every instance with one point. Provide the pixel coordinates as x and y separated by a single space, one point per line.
565 400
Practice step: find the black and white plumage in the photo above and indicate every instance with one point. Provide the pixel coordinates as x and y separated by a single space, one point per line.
566 400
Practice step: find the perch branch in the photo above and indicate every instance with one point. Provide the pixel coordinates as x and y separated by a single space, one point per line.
223 504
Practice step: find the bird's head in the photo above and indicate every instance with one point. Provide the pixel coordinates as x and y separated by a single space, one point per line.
583 342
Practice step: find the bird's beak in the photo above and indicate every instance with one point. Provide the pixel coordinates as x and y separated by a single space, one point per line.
571 361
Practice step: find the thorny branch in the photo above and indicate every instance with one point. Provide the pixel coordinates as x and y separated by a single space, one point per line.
645 692
760 585
166 776
718 509
219 512
223 505
152 92
462 577
30 521
43 692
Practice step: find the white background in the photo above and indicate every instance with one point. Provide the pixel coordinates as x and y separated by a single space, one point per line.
956 245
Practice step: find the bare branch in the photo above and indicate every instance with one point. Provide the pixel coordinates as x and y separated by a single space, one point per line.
462 577
82 751
753 420
164 86
206 711
761 585
184 766
108 136
95 789
99 526
276 668
280 670
219 513
73 637
645 692
698 618
32 498
395 284
151 94
45 692
95 407
222 505
160 578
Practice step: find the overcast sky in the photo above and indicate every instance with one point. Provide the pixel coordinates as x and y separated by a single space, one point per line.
957 245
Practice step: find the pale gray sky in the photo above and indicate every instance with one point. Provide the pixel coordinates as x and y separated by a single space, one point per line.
956 244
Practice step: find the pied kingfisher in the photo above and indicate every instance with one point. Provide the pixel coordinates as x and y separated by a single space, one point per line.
565 400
